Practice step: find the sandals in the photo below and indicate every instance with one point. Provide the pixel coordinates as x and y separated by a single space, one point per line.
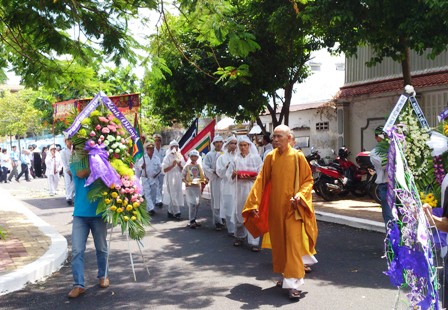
279 283
294 294
255 249
238 242
308 269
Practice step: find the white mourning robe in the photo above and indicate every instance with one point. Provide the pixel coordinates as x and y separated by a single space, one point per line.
172 195
149 177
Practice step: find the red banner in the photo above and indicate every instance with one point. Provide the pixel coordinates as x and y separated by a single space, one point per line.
127 104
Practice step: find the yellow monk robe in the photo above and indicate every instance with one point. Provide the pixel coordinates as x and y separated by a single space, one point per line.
290 175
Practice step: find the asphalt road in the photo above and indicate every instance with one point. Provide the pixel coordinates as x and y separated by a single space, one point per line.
201 269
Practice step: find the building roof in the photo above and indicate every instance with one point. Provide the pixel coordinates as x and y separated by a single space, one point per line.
394 85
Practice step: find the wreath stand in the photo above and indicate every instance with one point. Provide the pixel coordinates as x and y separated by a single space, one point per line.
139 244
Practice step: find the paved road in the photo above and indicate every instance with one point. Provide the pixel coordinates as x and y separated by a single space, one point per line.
200 269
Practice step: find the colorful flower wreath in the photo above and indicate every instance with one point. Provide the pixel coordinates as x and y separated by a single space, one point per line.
103 146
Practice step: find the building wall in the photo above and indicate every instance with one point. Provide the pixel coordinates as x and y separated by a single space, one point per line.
357 72
303 124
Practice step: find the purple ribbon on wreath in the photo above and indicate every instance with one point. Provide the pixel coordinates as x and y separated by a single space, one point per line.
100 166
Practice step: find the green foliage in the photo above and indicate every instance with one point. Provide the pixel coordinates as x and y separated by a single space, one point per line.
41 38
390 27
2 234
19 116
226 57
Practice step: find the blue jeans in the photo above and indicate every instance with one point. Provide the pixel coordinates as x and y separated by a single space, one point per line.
386 210
80 231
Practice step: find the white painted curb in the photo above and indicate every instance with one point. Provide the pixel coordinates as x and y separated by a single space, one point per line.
350 221
44 266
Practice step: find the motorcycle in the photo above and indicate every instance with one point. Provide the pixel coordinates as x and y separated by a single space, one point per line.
343 176
312 158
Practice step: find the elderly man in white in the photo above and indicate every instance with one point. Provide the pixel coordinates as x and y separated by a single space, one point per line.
172 166
228 193
68 179
160 152
209 166
148 169
54 165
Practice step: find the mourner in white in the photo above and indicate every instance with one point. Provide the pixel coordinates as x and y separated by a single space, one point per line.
54 166
193 177
242 173
68 179
172 166
228 190
148 169
209 165
160 152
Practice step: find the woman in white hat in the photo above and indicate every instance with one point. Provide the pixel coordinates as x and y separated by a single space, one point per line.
242 174
53 163
228 191
172 166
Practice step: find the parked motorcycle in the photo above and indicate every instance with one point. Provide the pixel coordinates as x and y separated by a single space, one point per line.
314 158
343 176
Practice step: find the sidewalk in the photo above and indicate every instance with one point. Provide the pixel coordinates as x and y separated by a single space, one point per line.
33 249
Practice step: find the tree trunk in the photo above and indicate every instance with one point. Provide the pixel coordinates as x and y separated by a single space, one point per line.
406 64
260 123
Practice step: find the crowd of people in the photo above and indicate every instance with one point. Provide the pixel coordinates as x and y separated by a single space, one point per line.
237 173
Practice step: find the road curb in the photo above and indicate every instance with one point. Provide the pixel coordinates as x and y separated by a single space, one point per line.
45 265
350 221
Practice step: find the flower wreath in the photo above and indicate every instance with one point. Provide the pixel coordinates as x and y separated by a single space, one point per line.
103 146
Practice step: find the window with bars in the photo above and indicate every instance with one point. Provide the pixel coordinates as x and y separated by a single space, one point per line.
322 126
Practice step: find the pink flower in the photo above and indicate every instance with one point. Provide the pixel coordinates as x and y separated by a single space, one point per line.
100 141
122 191
98 127
92 133
112 128
131 190
123 140
92 143
102 137
103 119
141 199
133 199
110 117
116 155
105 130
121 132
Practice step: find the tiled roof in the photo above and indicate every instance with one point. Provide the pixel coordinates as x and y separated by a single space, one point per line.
394 85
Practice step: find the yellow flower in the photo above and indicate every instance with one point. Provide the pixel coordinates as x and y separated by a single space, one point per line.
125 218
119 200
119 210
107 201
113 208
134 212
129 208
430 196
133 218
114 195
136 204
104 193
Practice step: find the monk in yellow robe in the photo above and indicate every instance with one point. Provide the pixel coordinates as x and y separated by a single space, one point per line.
290 208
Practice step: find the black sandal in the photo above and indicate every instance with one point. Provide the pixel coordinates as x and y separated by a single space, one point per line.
255 249
279 283
294 294
307 269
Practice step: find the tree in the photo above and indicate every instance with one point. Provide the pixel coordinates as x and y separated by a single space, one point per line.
36 36
19 117
192 46
391 27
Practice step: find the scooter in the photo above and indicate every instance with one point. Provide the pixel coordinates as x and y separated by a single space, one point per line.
342 177
314 158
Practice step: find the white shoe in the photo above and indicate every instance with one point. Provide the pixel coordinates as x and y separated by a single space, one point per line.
52 194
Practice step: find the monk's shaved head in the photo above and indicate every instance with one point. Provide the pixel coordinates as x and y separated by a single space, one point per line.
281 137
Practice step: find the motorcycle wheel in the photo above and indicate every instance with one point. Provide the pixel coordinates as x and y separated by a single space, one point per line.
316 186
325 193
373 192
358 192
